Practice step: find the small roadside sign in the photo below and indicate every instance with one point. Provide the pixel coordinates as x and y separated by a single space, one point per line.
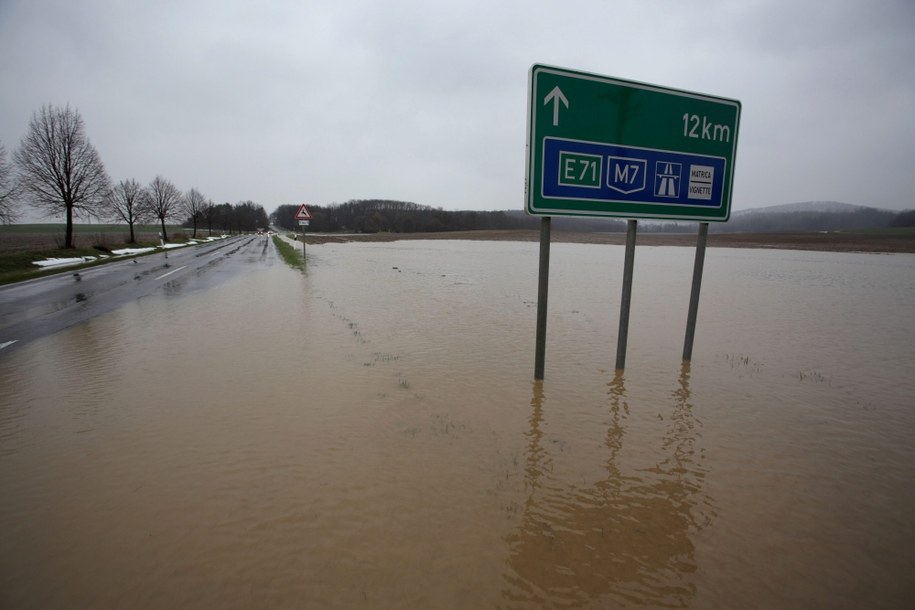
303 213
304 223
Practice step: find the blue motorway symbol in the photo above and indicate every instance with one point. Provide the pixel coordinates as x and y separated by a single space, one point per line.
593 171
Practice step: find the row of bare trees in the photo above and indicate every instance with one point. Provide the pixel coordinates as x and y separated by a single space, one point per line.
58 171
131 203
9 190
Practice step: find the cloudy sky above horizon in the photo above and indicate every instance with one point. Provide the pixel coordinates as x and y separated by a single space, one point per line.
285 102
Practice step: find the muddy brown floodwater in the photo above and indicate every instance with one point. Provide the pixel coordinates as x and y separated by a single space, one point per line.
368 434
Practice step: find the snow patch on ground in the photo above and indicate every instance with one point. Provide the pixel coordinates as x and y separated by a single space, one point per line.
132 251
63 262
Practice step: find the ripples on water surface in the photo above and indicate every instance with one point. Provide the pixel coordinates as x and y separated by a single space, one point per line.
368 435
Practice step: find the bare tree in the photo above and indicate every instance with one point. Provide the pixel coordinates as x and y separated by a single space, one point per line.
164 201
59 169
194 206
128 202
9 190
209 214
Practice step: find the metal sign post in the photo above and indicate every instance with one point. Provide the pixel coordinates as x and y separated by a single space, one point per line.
626 298
304 217
694 293
542 290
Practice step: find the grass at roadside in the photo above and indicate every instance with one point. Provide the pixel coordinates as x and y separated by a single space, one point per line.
20 266
293 256
21 245
104 237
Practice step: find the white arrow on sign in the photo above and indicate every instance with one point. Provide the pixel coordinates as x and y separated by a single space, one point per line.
557 98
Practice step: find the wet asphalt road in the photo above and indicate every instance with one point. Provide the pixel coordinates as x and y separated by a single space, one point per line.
40 307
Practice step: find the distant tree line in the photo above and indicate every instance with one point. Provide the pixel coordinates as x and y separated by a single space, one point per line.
241 217
384 215
800 222
58 171
906 218
378 215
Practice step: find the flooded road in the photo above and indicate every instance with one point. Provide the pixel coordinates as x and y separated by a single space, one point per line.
368 434
44 306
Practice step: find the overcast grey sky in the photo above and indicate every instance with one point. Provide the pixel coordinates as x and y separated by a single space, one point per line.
285 102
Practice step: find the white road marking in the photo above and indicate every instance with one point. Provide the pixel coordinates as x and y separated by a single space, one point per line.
7 343
169 273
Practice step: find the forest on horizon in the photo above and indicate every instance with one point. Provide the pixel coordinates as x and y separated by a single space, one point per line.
390 216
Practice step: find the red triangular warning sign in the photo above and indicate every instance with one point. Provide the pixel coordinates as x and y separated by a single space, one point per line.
303 213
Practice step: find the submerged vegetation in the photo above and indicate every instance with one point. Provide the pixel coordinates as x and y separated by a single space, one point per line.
293 257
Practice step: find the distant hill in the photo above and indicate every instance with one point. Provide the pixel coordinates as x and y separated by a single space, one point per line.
806 216
803 206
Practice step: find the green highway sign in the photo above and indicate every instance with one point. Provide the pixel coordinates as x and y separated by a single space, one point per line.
602 146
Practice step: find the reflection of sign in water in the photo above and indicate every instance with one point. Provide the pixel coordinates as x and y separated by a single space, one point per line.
624 538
